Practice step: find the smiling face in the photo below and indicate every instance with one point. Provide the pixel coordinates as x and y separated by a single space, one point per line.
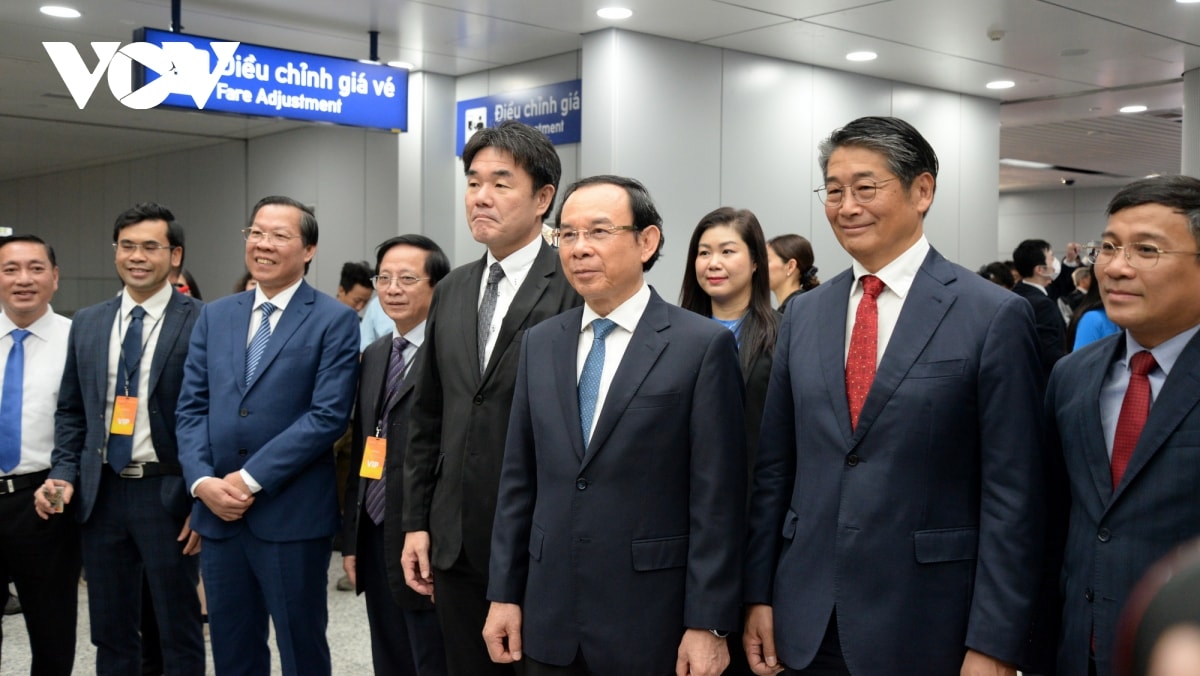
144 273
724 267
503 210
407 306
27 281
1157 303
274 265
877 232
605 273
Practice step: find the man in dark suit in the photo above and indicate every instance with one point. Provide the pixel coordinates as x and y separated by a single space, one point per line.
268 387
1035 263
896 523
405 636
115 452
616 547
42 559
1123 411
460 415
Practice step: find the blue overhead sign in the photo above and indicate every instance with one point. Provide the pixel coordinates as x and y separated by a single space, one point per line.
269 82
555 110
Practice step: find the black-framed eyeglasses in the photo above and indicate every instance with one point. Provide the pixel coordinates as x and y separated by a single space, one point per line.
568 237
384 282
1139 255
254 236
127 247
863 190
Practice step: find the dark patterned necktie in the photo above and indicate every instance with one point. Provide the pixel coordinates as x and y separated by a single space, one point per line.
376 497
120 446
487 309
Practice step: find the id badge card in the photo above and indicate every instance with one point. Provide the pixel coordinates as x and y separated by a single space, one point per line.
124 411
374 454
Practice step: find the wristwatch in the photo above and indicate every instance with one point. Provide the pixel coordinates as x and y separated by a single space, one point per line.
718 633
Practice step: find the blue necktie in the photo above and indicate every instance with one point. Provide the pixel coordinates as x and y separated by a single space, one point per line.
377 488
120 446
10 403
589 381
259 344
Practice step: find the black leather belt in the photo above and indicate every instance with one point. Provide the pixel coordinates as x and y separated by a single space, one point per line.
145 470
19 482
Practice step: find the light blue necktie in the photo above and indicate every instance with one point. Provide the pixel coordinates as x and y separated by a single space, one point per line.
589 381
120 446
259 344
10 404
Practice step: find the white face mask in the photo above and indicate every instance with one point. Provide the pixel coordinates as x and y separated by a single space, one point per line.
1056 266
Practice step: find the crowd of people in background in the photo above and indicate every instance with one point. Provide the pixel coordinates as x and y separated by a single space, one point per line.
534 461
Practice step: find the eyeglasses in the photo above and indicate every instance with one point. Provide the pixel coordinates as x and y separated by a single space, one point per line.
832 194
254 236
568 237
127 247
384 282
1139 255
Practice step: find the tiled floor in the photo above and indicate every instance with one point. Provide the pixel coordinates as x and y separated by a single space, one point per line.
349 638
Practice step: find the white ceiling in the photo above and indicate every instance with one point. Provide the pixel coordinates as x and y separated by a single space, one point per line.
1075 63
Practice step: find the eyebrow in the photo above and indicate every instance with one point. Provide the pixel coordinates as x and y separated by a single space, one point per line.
854 177
496 173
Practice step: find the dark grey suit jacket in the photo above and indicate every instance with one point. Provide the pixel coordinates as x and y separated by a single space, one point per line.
459 419
372 393
616 549
1113 537
80 434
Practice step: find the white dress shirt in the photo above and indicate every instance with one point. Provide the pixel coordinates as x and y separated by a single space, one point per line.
897 278
516 267
155 307
45 357
626 316
280 301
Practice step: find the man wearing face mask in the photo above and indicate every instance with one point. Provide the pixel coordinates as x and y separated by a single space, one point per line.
1036 264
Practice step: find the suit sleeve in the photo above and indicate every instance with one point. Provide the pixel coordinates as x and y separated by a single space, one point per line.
425 430
70 420
349 519
313 434
191 412
1011 518
774 475
509 565
717 490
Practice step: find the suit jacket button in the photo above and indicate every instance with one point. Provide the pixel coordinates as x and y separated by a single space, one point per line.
1087 594
242 452
852 459
1103 535
581 484
478 399
243 413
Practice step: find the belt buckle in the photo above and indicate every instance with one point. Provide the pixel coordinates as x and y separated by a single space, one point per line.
133 472
9 487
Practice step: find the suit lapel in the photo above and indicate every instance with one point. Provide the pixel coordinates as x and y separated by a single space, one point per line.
832 345
528 295
293 316
374 377
1178 397
924 308
1091 429
645 346
99 348
172 326
468 314
565 356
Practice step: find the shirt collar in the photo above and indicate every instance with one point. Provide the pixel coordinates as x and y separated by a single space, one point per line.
900 273
280 300
1165 354
154 306
38 328
1039 287
415 337
517 263
626 315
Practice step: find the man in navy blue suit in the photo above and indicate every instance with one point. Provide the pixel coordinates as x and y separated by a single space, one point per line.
126 479
895 524
1123 411
268 388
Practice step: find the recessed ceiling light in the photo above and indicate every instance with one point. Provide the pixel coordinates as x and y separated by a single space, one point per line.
1001 84
59 12
400 64
1024 164
1187 2
861 56
1134 109
614 13
369 61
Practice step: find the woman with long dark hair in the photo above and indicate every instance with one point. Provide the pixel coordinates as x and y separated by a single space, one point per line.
1090 321
790 267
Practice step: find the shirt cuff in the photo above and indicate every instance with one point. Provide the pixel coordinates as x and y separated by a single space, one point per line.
253 485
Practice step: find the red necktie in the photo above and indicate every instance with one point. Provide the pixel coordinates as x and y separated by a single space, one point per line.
1134 411
864 344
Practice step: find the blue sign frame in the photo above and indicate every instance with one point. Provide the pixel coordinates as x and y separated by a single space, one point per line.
556 110
268 82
